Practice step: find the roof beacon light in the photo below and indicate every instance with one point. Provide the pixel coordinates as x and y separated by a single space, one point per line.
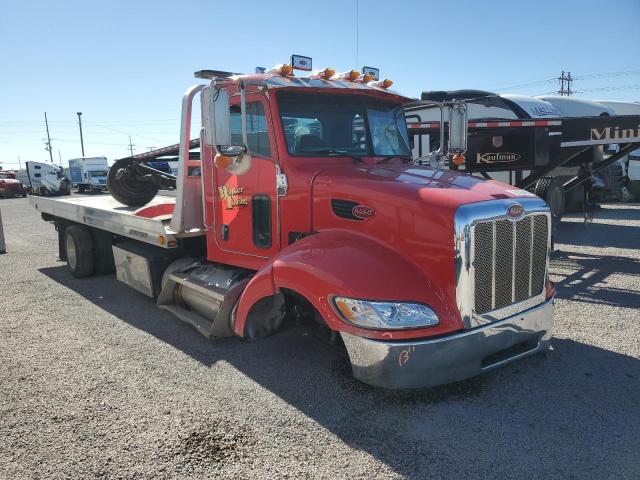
386 83
325 73
301 63
373 73
351 75
283 69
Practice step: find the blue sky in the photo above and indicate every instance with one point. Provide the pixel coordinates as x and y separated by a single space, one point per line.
125 64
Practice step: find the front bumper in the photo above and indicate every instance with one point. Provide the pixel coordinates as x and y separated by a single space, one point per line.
426 363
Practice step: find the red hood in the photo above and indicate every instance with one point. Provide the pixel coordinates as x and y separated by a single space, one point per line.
411 210
10 181
423 185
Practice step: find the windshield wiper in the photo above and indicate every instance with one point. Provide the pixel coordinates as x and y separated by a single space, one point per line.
344 153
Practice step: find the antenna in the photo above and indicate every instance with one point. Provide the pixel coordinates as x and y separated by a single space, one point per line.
357 30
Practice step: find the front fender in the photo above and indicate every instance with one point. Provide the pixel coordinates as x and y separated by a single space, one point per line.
342 262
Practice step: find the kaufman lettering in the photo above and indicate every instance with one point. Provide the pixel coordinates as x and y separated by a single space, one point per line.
497 157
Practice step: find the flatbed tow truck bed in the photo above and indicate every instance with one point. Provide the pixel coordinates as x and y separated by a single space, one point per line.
148 224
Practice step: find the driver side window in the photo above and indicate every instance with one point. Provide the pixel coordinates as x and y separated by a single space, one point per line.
257 131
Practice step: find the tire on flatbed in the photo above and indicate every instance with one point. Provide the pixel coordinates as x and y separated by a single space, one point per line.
126 189
550 189
78 243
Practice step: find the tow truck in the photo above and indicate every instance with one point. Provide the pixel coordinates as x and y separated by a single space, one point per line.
300 202
528 142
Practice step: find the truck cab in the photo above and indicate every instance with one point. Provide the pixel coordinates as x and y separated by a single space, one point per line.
89 173
304 201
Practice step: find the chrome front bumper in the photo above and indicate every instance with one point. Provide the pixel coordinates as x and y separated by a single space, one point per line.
426 363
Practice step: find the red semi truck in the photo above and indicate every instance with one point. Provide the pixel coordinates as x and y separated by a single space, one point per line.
303 201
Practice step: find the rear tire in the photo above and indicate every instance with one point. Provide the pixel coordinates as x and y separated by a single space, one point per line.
550 189
126 188
102 252
80 188
78 244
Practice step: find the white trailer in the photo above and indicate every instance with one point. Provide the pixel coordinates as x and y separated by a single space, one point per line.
89 173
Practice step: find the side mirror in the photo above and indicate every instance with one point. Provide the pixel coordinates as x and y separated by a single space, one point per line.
216 116
458 128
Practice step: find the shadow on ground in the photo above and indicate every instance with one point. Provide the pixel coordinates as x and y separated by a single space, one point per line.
543 414
584 278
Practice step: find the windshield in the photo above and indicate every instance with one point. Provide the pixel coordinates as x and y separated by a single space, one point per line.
5 175
324 124
98 173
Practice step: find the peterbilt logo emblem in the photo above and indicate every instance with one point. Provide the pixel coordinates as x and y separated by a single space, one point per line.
362 212
496 141
497 157
514 211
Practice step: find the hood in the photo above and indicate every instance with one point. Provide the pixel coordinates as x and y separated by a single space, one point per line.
409 186
10 181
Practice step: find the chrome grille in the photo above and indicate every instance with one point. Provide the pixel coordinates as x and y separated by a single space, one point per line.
510 261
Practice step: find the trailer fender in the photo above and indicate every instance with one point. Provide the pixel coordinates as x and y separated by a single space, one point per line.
342 262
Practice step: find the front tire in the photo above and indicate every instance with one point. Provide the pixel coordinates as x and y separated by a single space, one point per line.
79 251
126 188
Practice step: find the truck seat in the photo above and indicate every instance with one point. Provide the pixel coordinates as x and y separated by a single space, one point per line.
308 143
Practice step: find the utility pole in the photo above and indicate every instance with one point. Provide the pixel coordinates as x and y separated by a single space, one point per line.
80 125
568 79
60 157
46 122
131 145
19 163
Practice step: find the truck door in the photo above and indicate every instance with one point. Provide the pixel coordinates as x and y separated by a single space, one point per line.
246 206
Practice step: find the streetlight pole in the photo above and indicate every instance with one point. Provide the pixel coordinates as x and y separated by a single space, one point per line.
80 125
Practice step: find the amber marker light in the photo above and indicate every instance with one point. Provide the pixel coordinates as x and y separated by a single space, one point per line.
283 69
458 159
367 77
386 83
351 75
344 308
325 73
222 161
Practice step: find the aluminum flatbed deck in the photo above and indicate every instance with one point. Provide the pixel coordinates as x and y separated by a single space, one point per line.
148 224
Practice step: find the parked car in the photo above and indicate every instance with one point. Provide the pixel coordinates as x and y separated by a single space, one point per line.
10 186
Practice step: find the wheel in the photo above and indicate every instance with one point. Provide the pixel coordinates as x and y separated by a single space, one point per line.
78 244
102 253
550 189
80 188
125 186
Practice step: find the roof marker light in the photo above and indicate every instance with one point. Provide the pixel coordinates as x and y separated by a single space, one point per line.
283 69
325 73
366 78
386 83
351 75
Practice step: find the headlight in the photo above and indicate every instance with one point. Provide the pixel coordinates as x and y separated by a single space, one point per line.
385 315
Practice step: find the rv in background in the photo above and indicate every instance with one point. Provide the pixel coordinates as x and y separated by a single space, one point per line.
89 173
46 179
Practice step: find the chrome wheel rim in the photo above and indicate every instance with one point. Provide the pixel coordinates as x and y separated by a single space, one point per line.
71 252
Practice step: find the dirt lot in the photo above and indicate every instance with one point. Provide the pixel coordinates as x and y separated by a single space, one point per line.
96 382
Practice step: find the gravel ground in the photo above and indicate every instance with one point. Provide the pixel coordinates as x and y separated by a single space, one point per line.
99 383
